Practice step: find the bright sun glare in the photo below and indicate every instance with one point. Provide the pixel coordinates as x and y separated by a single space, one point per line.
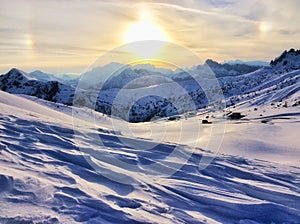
144 30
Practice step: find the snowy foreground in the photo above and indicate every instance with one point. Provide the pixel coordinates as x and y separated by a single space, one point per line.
45 178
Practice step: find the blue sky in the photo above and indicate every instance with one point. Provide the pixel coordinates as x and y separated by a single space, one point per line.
65 36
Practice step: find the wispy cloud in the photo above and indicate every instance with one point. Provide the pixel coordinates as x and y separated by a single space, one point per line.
33 32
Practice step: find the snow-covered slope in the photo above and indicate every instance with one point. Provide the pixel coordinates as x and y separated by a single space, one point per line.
278 85
287 60
45 178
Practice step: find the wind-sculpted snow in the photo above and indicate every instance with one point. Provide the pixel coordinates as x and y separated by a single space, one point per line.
45 178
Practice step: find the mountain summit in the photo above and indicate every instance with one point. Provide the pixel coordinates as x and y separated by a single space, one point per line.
288 60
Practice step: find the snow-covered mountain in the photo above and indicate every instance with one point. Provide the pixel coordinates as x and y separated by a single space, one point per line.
116 75
221 70
277 83
101 74
39 75
273 84
153 68
65 78
135 78
288 60
18 82
255 63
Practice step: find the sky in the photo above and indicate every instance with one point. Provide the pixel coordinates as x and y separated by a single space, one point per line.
68 36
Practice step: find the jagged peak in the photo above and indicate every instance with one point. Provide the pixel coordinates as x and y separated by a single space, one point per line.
289 58
17 73
14 70
211 62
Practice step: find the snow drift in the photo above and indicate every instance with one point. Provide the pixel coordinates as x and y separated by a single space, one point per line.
45 178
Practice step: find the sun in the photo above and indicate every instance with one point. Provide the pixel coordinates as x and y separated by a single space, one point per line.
146 30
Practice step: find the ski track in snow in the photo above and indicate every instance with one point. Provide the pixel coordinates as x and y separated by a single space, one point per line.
45 178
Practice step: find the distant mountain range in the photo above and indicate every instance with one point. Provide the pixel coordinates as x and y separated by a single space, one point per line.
240 62
65 78
102 73
265 84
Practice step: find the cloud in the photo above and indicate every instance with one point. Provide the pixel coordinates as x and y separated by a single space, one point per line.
232 29
219 29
